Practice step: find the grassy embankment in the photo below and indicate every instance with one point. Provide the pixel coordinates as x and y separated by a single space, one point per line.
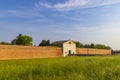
69 68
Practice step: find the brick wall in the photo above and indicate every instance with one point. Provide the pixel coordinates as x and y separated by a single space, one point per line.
24 52
93 51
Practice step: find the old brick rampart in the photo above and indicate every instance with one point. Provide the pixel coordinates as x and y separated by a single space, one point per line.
26 52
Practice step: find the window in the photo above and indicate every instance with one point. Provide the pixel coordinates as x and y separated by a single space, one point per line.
69 42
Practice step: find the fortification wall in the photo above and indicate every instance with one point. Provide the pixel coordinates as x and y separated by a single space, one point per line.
93 51
25 52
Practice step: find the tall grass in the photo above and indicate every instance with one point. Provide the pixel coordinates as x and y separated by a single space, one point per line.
69 68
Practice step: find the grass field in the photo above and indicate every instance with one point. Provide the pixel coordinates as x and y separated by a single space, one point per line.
69 68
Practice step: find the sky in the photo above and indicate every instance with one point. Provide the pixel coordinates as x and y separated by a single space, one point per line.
87 21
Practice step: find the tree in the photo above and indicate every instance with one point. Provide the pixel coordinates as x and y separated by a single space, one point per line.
13 42
86 46
78 44
45 43
101 46
5 43
22 40
92 45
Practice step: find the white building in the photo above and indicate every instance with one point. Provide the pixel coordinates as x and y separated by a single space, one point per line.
68 47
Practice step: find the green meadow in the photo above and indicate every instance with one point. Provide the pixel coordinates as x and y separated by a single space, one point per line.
68 68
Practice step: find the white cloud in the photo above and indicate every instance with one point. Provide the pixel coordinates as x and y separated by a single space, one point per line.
108 2
71 4
68 5
76 4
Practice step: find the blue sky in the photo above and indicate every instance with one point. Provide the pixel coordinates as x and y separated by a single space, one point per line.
88 21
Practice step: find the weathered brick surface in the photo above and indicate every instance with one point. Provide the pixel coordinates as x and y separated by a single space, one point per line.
93 51
24 52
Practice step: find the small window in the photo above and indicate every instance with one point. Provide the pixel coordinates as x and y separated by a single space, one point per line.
69 42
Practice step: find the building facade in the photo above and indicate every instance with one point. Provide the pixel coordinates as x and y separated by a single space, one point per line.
68 47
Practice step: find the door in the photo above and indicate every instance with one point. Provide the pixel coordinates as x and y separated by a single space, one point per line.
69 52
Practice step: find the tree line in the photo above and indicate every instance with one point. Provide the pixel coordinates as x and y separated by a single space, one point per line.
27 41
92 45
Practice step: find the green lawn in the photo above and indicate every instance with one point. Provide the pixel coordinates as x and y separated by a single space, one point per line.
68 68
